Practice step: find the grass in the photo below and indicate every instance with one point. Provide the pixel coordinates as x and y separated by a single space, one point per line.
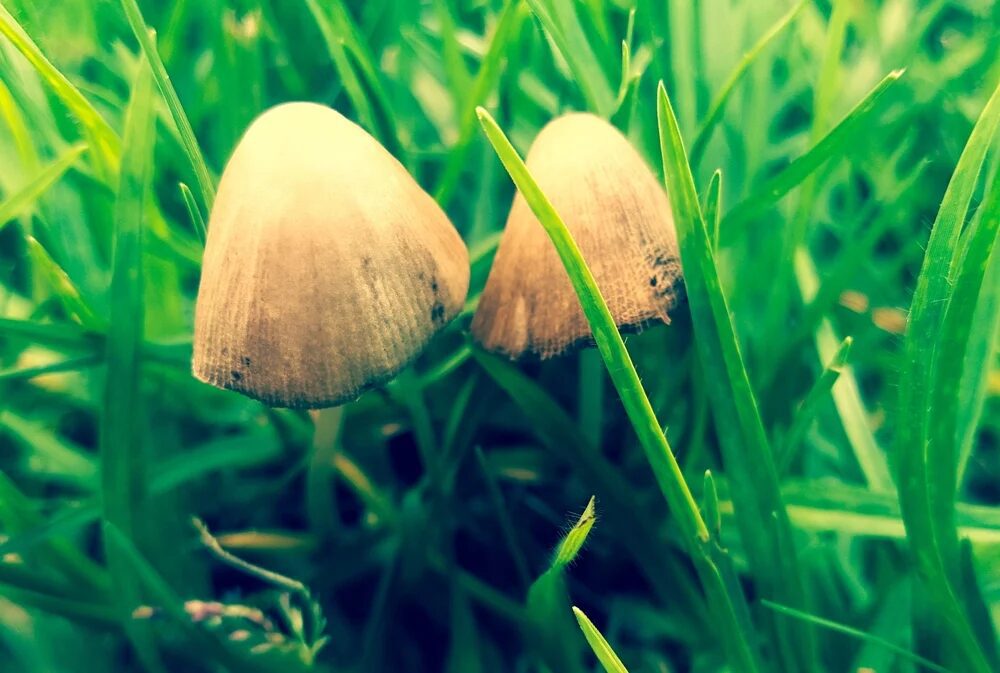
797 474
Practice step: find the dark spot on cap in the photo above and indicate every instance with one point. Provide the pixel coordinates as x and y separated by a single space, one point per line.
434 285
246 360
236 375
652 281
437 312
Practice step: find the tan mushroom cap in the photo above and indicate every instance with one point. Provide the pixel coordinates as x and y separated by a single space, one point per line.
619 216
327 268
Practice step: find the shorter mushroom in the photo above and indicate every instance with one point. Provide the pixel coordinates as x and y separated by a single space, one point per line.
327 268
619 216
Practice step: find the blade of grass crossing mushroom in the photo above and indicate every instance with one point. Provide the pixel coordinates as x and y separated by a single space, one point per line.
602 650
763 520
833 143
934 350
623 375
147 43
606 335
715 110
24 199
103 140
120 436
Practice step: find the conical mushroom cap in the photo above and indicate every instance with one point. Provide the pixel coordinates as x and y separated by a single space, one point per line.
619 216
327 268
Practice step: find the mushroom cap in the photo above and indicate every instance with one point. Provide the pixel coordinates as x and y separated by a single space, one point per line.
620 217
327 268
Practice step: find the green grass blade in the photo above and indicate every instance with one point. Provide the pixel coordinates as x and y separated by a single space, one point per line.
854 633
609 660
103 140
715 110
986 333
345 69
561 22
934 349
846 392
764 525
121 435
713 208
806 412
194 212
147 43
490 70
21 201
62 285
609 342
832 144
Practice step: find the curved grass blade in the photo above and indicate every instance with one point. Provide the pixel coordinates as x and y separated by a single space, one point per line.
763 520
147 43
102 139
602 650
704 133
21 201
934 349
668 474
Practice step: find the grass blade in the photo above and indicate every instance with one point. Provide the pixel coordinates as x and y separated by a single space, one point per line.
807 410
121 435
61 284
609 660
935 344
144 35
832 143
854 633
22 200
704 133
102 139
563 25
746 452
486 79
194 212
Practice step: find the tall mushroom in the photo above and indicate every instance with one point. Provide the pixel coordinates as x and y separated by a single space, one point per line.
619 216
327 268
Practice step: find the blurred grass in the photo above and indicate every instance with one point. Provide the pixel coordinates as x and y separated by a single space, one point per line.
419 519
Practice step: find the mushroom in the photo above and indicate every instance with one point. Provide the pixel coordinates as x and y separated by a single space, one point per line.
327 268
619 216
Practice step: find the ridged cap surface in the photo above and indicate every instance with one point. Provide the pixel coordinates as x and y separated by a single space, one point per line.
327 268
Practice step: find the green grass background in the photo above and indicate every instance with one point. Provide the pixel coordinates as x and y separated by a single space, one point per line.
786 477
